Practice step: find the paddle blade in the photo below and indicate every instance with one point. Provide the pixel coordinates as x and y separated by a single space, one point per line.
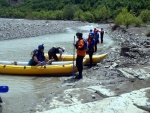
4 89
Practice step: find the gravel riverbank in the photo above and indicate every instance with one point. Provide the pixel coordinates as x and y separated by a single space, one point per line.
20 28
120 83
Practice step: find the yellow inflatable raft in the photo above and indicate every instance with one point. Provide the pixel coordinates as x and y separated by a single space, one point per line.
64 69
96 58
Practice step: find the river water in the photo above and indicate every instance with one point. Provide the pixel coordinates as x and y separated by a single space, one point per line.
24 90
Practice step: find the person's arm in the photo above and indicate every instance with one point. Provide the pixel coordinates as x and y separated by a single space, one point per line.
80 45
46 59
60 52
36 60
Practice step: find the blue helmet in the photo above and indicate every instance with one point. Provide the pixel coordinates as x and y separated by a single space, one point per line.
41 46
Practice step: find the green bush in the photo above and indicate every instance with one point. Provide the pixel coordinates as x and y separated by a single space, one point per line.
145 16
4 3
68 11
82 18
124 18
88 16
78 15
34 15
102 13
137 22
58 14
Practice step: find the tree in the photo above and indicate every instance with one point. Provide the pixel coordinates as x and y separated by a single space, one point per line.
124 18
4 3
102 13
88 16
145 16
77 14
69 11
58 14
137 22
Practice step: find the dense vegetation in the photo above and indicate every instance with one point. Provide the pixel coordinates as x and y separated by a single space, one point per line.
124 12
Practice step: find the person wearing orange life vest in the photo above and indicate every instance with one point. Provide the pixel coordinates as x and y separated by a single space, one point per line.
81 52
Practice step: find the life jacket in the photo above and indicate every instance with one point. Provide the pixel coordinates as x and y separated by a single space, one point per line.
102 31
40 55
81 49
85 46
91 43
95 30
96 36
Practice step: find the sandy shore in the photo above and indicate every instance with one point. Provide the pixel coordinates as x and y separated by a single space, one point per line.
120 83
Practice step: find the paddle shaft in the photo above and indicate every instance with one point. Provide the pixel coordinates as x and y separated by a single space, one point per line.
73 57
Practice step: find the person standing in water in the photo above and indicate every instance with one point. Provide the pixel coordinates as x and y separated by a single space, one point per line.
102 34
96 36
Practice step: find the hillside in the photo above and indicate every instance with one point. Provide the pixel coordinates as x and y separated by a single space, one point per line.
84 10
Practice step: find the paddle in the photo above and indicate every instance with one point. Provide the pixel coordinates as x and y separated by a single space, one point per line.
73 57
4 89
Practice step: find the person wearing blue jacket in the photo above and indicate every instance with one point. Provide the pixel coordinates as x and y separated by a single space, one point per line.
96 35
38 57
91 43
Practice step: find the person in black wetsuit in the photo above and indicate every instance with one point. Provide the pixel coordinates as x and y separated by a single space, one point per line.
55 50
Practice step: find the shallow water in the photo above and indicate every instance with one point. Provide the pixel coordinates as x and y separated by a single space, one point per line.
25 91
